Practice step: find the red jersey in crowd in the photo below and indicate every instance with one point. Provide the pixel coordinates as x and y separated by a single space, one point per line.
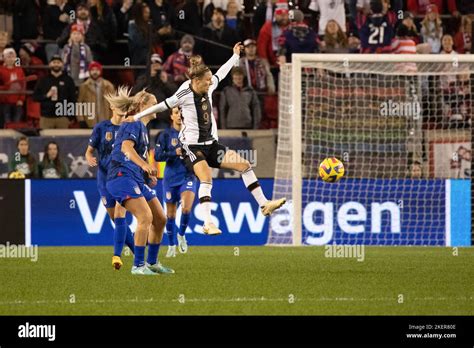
12 79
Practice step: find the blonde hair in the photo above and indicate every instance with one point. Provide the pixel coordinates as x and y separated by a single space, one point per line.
142 97
121 100
437 22
196 67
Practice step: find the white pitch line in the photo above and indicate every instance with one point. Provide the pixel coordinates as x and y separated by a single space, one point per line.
235 299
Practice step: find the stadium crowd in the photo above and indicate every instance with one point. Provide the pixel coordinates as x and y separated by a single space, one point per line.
58 55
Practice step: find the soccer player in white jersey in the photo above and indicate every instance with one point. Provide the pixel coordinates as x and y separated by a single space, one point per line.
199 136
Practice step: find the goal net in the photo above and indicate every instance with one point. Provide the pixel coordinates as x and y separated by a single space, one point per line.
401 125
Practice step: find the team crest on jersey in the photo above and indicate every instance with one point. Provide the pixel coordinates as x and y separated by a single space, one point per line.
104 200
108 136
190 183
137 190
168 195
174 141
204 107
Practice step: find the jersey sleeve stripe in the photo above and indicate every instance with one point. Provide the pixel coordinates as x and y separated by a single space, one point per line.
183 93
218 80
167 104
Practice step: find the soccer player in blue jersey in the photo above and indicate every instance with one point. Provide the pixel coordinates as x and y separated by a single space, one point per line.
102 140
126 183
179 183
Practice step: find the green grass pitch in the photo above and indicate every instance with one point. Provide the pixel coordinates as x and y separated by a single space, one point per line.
260 280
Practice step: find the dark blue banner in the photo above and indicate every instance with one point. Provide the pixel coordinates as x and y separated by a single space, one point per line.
69 212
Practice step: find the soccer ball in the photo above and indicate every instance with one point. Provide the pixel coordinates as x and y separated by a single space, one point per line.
331 169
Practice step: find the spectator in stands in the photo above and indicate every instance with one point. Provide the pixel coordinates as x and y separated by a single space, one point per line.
177 64
256 70
163 19
56 88
432 28
189 16
3 43
415 170
25 19
263 13
233 18
267 41
420 7
403 43
103 15
463 38
409 21
335 40
157 83
239 107
56 17
139 36
94 37
162 15
449 85
219 32
123 14
77 55
23 161
12 78
223 4
372 38
92 91
29 60
52 166
329 9
297 38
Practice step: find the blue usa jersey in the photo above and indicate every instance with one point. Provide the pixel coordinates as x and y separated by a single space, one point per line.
176 173
102 139
120 165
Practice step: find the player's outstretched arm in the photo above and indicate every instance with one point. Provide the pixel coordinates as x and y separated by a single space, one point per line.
160 107
227 66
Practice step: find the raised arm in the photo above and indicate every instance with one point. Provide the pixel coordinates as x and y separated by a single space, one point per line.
227 66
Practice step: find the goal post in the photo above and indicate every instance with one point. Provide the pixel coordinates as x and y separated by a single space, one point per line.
401 124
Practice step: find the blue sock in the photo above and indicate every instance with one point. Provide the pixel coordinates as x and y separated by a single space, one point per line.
119 235
170 223
129 241
139 259
153 253
184 223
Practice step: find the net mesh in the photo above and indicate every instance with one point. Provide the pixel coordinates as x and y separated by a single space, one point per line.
398 128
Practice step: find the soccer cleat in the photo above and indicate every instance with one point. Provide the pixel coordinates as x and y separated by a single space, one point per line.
171 252
182 244
158 268
211 229
117 262
142 270
271 206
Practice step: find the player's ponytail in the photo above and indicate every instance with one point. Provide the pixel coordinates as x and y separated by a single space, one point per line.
140 99
196 67
121 100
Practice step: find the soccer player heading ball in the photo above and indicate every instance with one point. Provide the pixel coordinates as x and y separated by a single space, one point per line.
199 136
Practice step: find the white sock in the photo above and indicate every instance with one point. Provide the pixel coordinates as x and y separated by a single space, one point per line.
251 182
205 199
